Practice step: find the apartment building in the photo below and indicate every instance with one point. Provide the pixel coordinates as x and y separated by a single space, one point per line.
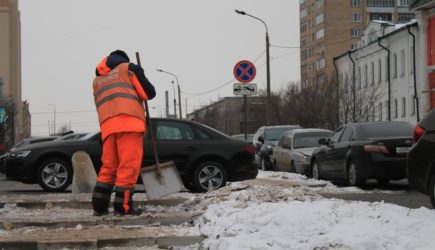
10 74
331 27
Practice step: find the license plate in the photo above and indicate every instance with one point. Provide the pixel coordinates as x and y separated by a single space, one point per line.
402 150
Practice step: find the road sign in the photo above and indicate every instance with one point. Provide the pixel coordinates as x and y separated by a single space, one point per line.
245 88
244 71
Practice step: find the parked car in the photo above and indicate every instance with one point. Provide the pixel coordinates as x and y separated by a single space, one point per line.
359 151
294 149
242 137
205 158
421 158
265 138
22 143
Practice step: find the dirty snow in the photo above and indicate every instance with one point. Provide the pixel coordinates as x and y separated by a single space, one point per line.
284 212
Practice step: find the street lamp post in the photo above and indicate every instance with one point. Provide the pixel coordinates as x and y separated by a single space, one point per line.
178 84
175 102
268 101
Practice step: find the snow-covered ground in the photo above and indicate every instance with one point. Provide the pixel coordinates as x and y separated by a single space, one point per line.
285 211
299 219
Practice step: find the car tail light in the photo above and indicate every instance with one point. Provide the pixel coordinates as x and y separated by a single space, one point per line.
249 149
376 149
418 132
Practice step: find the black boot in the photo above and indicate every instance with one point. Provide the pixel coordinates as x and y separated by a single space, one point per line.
101 198
123 203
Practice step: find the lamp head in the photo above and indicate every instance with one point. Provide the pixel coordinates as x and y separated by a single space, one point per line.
240 12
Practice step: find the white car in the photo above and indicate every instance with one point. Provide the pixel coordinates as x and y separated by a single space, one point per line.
294 149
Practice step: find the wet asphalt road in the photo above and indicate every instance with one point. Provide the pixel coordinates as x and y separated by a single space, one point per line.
396 192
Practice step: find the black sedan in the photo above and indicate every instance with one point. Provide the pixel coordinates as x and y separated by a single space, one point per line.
204 157
421 158
356 152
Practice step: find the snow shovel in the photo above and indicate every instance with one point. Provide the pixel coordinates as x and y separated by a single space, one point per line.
159 179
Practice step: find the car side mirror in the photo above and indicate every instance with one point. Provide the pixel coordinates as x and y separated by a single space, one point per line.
322 141
261 139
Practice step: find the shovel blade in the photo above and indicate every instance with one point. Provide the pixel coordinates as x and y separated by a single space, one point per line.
169 182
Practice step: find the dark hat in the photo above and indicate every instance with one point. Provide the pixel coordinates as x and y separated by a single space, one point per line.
120 53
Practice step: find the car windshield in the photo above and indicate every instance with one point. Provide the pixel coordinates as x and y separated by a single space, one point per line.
384 130
273 134
308 140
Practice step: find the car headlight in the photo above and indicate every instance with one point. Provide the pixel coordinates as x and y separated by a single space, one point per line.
20 154
269 147
306 158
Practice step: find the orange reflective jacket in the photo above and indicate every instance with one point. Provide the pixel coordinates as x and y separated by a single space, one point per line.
115 94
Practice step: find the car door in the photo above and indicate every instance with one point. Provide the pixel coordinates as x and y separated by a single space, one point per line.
287 151
278 153
175 141
326 157
340 151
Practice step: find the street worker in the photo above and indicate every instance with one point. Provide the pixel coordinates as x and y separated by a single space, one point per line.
120 87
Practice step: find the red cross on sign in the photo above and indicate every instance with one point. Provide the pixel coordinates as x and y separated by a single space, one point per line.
244 71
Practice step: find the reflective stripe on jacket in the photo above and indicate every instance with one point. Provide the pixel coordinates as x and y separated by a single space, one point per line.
115 94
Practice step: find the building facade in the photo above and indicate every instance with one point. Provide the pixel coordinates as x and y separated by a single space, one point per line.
331 27
18 127
227 114
379 77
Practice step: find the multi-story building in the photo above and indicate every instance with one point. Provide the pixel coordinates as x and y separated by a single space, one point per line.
10 72
379 79
331 27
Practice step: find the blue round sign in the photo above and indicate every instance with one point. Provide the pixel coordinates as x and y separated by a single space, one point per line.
244 71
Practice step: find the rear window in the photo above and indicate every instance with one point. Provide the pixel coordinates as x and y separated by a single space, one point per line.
382 130
308 140
273 134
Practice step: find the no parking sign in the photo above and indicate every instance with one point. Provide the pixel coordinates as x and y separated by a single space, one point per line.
244 71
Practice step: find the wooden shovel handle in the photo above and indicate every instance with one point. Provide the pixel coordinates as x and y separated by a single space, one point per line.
148 121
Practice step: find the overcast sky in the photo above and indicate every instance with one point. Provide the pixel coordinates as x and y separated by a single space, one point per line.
198 40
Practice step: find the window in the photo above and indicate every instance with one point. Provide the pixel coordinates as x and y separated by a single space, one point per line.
356 17
380 111
301 1
366 75
404 3
319 4
347 134
396 113
372 82
319 18
411 60
355 3
355 32
303 26
394 65
379 71
167 130
403 106
320 34
386 68
303 13
412 105
402 62
336 135
359 77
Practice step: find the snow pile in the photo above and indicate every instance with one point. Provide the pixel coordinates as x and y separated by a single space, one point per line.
316 224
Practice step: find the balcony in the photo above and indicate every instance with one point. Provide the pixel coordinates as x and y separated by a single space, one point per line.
380 3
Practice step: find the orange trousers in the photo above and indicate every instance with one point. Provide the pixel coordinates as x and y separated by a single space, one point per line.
122 159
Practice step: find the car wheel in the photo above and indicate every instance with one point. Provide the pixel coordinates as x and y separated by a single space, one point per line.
292 167
432 190
353 177
315 170
209 175
54 174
